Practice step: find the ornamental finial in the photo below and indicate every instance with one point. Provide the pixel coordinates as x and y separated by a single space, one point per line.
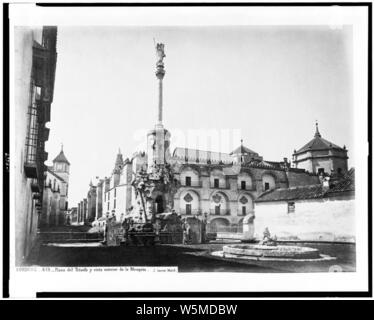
160 52
317 134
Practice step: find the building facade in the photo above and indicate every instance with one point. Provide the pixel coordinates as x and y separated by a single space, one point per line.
34 75
55 195
319 212
221 187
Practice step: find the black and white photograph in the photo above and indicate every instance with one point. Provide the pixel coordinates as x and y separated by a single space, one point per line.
196 148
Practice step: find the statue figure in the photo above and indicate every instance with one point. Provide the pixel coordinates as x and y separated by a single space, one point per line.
268 240
267 234
160 52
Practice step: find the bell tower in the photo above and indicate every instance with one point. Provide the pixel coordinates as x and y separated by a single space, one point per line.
61 165
158 139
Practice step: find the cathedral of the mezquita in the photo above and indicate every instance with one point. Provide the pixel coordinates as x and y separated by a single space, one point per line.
222 187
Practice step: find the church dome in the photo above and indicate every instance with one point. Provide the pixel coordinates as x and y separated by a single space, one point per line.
318 143
61 158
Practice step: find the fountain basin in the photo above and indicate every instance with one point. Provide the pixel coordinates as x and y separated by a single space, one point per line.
273 252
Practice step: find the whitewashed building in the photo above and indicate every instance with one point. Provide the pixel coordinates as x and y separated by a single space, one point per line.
321 212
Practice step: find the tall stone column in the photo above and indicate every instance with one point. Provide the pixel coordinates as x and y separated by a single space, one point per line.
160 73
158 139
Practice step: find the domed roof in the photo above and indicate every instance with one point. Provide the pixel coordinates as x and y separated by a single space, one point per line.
61 157
243 150
318 143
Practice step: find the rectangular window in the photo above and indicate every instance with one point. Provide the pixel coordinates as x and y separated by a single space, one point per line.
217 211
267 186
188 181
290 207
114 205
188 208
115 192
108 206
321 171
216 183
243 185
244 211
108 195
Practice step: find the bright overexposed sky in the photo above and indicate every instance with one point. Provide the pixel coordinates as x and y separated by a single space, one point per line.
265 84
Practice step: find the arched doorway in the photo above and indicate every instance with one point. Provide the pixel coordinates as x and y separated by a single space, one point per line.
218 224
159 202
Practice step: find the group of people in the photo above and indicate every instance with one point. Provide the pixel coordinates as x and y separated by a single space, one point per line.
127 224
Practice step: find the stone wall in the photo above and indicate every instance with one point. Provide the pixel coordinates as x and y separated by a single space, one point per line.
25 215
296 179
330 219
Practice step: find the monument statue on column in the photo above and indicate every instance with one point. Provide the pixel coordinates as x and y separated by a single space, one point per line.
158 180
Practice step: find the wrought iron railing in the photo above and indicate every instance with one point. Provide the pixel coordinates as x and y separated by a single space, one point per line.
190 212
32 142
220 212
224 185
193 184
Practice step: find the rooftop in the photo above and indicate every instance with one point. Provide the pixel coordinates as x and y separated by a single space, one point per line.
61 157
318 143
344 185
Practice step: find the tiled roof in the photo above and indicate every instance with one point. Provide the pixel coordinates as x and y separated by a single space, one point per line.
318 143
61 158
202 156
215 157
346 184
243 150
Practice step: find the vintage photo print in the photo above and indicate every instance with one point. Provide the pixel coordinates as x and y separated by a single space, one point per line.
158 149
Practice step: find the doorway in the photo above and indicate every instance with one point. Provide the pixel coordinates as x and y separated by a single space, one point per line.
159 204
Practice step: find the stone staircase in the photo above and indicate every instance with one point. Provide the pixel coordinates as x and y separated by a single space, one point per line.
68 234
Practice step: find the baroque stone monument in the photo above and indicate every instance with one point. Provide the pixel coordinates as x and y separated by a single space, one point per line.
156 186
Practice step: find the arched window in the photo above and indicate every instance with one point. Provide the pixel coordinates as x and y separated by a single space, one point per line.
219 204
217 179
245 205
189 177
189 202
268 182
244 181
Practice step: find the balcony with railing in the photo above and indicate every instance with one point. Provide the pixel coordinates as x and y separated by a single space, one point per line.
190 212
220 185
220 212
34 185
192 184
30 164
247 188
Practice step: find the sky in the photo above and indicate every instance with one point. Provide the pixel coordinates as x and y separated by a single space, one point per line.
266 85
